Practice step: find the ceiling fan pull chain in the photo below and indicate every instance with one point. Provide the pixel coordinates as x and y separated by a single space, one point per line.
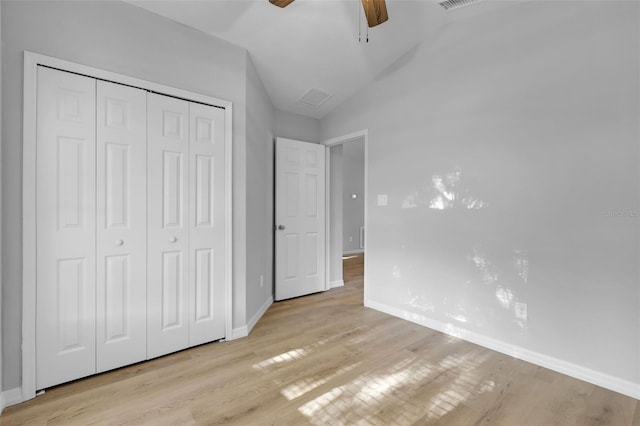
359 24
367 34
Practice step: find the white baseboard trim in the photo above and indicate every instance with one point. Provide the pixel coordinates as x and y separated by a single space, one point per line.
357 251
238 333
256 317
336 283
12 397
604 380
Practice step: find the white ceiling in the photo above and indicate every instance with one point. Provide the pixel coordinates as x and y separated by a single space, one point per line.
312 43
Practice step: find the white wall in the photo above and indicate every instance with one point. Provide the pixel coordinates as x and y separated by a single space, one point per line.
259 236
122 38
336 213
298 127
353 178
502 144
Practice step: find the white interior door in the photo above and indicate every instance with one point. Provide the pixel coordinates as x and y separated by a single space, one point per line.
121 279
168 225
66 227
300 218
206 230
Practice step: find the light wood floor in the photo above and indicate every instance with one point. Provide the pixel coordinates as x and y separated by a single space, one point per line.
326 360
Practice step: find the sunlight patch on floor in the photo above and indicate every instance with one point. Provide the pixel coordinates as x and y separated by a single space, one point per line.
297 354
360 398
301 387
284 357
398 390
464 387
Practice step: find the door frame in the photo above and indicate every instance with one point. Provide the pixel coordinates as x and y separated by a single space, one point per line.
340 140
31 63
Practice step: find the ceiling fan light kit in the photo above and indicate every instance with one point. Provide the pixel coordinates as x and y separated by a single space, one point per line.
375 10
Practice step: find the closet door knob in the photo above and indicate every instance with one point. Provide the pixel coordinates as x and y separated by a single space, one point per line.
173 239
119 243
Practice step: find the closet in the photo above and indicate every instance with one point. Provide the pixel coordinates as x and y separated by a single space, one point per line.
130 225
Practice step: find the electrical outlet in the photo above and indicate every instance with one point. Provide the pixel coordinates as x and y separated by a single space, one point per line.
521 311
350 239
261 281
382 199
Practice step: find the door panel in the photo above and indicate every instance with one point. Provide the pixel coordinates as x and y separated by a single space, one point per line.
311 196
70 283
65 197
291 256
203 284
300 208
172 286
292 194
172 189
116 179
116 300
121 279
168 225
313 245
204 190
206 233
71 164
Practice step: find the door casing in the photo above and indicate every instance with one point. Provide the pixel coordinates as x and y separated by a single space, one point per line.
339 140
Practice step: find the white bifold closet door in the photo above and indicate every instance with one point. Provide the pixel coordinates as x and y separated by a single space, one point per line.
130 195
186 258
121 278
206 226
66 227
168 225
91 198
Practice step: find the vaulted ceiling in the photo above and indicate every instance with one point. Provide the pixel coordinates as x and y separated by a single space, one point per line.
315 44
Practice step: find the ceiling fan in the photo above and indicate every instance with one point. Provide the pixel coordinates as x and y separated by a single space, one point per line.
375 10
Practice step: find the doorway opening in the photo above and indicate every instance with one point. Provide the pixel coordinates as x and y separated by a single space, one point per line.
346 201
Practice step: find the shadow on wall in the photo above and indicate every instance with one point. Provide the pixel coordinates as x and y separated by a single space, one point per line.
445 192
481 281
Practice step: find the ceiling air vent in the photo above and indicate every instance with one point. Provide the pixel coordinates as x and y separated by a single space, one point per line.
456 4
314 98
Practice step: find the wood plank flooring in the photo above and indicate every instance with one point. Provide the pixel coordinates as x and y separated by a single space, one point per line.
324 359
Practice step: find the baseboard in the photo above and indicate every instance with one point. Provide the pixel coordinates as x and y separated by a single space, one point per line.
12 397
604 380
256 317
336 283
357 251
238 333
